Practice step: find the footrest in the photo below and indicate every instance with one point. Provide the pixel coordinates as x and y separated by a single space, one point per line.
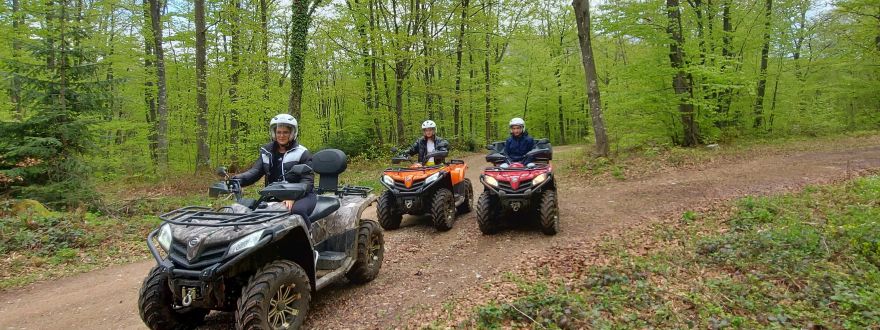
331 260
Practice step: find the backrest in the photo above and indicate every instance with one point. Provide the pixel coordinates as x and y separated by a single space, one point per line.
329 163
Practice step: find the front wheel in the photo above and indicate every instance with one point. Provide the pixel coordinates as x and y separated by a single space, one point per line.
370 253
443 209
386 209
276 297
157 309
488 213
549 213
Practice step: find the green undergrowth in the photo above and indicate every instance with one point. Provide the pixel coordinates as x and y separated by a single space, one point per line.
804 260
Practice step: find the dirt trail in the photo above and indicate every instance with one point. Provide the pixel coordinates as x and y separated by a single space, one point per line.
423 268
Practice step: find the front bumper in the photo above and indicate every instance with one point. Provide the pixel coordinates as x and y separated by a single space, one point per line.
206 284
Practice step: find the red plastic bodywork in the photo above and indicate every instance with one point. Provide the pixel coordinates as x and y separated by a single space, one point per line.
516 173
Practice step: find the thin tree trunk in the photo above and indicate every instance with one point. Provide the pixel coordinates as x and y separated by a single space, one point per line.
149 89
488 84
399 76
368 68
582 14
456 104
203 152
15 90
162 94
560 106
234 55
680 80
264 47
762 79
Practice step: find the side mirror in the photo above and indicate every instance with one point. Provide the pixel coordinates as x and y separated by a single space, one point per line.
300 169
219 188
221 171
393 150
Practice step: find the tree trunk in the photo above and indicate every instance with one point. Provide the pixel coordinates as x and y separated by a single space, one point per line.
488 84
456 103
680 81
399 77
558 75
762 79
162 94
203 152
234 55
582 14
15 90
149 90
724 96
264 48
299 30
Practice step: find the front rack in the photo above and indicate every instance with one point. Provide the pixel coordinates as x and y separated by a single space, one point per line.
205 217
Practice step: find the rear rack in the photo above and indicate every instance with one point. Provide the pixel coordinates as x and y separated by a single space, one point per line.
188 216
347 190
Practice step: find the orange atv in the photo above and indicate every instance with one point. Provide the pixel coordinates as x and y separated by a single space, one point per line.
439 190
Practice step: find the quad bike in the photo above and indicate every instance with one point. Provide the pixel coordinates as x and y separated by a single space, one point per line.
257 259
439 190
518 190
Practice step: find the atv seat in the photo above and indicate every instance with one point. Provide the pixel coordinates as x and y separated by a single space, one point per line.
329 163
325 206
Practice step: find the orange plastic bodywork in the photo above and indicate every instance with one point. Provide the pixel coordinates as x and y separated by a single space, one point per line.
417 172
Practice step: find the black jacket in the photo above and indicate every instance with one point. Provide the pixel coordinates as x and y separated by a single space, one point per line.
265 164
420 147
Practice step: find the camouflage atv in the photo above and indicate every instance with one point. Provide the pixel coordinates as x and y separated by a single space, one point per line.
257 259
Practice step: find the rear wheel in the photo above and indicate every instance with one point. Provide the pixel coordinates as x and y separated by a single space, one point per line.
386 209
466 207
549 213
157 309
370 253
443 209
488 213
276 297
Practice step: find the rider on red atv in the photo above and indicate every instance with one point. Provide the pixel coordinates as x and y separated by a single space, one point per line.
519 143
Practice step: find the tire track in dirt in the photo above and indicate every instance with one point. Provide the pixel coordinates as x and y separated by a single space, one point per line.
423 268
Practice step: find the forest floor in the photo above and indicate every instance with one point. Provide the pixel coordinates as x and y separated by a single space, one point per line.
429 275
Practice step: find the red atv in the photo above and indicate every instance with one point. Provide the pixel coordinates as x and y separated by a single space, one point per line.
517 190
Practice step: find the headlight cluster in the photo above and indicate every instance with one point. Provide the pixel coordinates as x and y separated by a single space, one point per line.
388 180
246 242
538 179
491 181
165 237
432 178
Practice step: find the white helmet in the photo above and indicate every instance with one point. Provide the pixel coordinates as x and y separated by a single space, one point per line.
286 120
517 121
429 124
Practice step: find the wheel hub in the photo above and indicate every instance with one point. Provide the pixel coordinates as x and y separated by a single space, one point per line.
281 310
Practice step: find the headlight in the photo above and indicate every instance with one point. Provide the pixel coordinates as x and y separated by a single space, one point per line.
246 242
538 179
388 180
491 181
432 178
165 237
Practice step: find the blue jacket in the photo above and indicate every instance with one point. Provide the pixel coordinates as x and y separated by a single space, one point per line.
516 148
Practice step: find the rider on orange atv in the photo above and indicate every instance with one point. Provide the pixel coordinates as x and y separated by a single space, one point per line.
430 186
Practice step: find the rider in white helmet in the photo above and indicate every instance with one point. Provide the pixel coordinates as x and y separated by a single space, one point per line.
277 157
519 143
427 143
